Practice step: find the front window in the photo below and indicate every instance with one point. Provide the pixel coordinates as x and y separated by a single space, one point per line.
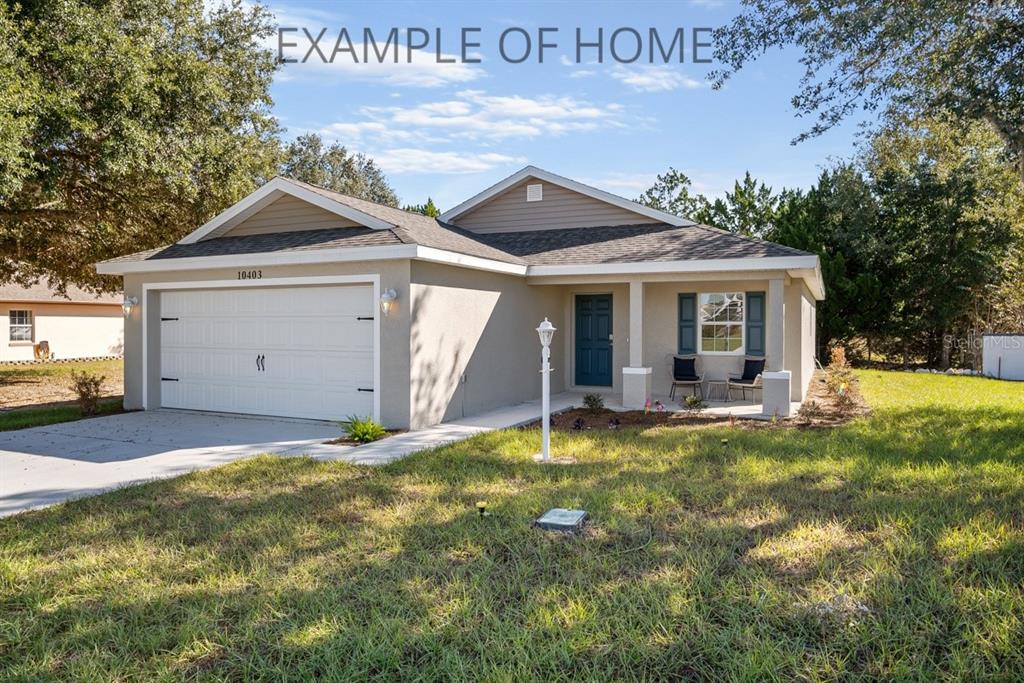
721 322
21 326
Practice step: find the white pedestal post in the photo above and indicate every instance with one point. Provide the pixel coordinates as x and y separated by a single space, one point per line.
775 393
636 387
545 402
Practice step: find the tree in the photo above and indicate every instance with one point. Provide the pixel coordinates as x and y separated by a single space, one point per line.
308 159
671 193
428 209
125 125
962 148
911 58
836 219
748 210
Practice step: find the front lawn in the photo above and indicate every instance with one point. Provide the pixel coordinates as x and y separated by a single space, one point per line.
22 418
39 383
892 547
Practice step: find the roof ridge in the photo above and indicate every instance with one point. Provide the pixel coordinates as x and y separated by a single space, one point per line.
747 238
349 196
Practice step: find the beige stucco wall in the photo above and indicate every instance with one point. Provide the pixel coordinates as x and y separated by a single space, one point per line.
473 341
394 329
72 330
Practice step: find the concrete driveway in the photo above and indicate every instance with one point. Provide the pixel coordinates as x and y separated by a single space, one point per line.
45 465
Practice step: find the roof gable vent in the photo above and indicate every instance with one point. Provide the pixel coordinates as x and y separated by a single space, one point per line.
534 193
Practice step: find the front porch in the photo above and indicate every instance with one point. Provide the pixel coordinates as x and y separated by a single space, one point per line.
738 408
620 338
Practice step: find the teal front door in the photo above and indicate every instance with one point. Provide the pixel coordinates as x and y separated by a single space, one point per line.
594 340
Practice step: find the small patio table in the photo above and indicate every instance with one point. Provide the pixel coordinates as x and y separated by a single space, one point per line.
718 390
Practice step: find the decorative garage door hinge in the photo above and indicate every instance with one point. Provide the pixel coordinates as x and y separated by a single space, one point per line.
364 317
166 319
362 389
168 379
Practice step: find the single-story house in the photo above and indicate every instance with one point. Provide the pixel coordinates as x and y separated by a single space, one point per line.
77 324
302 302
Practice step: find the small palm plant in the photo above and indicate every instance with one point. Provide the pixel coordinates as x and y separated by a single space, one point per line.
363 429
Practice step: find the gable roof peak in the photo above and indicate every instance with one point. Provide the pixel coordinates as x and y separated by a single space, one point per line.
531 171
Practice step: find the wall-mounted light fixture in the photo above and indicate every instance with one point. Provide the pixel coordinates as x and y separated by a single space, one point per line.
387 301
128 304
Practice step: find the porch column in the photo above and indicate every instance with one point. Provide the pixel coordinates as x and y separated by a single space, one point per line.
776 381
636 379
775 332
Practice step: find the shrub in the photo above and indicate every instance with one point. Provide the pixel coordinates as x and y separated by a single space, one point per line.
694 404
840 380
87 387
810 411
593 402
363 429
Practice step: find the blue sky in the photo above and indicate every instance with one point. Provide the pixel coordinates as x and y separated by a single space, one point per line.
450 130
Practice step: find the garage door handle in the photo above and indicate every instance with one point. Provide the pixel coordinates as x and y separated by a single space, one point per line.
260 366
361 389
168 379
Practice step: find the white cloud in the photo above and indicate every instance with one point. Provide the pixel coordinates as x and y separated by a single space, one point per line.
416 160
654 78
473 115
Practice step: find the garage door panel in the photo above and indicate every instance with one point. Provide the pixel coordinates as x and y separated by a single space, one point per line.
316 353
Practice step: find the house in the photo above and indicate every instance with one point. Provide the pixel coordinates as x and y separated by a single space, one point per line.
76 325
302 302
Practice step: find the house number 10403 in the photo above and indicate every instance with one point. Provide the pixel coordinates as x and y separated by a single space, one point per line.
250 274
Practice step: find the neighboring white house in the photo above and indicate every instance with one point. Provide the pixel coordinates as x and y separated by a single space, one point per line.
78 325
303 302
1002 356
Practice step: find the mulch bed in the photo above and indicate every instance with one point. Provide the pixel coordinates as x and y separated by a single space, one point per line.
823 412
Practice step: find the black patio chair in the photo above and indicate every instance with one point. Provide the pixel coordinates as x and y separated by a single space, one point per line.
685 374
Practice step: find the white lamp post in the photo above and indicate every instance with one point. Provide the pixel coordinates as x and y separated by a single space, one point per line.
545 331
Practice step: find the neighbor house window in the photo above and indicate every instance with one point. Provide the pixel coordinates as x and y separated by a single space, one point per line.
21 326
721 322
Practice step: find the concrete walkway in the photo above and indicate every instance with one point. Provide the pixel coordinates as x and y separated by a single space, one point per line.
46 465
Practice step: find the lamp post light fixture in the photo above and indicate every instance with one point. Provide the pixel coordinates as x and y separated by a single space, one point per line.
546 331
387 301
128 304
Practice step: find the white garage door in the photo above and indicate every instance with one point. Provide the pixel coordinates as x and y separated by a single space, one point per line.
291 352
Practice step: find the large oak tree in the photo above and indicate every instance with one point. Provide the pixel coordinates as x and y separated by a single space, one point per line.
123 125
911 57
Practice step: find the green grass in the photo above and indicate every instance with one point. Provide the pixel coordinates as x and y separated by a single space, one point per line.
889 548
37 417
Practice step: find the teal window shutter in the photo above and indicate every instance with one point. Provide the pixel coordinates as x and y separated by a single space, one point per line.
755 323
687 324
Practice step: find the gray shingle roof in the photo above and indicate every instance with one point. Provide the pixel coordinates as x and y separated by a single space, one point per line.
602 244
632 244
303 240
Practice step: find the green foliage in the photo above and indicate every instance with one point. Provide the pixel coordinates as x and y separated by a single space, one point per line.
912 58
749 209
694 404
593 402
332 166
920 241
363 429
429 209
125 124
88 388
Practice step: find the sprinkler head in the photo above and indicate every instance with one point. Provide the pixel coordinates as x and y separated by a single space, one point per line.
725 442
481 507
